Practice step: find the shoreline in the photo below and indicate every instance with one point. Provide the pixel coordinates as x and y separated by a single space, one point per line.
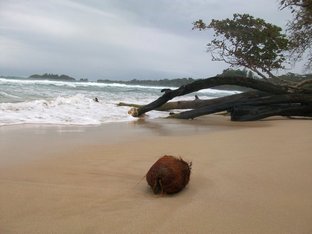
62 137
246 177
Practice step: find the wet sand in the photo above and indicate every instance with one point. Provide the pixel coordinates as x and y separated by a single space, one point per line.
246 177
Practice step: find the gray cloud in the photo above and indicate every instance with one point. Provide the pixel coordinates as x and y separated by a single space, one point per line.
116 39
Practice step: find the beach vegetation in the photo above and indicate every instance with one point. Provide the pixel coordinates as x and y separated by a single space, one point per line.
299 29
176 82
245 41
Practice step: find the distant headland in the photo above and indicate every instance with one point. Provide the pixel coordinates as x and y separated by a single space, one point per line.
48 76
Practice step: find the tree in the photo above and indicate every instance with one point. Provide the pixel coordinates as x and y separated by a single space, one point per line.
247 41
300 28
252 43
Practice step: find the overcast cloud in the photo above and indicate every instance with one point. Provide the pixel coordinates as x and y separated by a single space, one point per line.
116 39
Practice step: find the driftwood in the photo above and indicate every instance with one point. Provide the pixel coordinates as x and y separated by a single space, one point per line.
249 113
188 104
268 100
233 102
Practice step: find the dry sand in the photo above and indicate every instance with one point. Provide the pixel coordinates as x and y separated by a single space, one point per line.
246 178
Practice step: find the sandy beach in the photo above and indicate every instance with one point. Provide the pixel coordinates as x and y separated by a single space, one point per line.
246 177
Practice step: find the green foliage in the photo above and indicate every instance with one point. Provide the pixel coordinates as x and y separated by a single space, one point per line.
248 42
234 72
84 80
295 79
164 82
300 28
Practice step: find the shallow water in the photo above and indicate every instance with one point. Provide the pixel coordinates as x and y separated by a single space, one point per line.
72 103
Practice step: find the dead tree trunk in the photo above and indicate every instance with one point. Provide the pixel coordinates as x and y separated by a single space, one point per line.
199 103
249 113
268 94
189 104
233 103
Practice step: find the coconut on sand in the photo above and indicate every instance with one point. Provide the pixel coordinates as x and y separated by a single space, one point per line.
168 175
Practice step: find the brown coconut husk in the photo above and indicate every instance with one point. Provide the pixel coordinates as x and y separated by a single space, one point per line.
169 175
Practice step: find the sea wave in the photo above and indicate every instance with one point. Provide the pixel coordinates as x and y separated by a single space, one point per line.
99 85
8 95
76 110
76 84
61 102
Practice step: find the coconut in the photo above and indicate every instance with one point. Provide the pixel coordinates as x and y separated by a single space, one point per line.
168 175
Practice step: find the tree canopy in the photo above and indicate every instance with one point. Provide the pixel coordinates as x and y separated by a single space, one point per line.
300 28
247 41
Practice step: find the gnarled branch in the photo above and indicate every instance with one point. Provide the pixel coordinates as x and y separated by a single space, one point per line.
213 82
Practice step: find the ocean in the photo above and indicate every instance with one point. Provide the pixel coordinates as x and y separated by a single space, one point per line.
25 101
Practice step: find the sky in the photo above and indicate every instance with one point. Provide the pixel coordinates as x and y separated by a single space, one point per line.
117 39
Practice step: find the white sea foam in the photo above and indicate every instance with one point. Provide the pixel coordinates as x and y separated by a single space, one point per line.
60 102
76 84
76 109
72 110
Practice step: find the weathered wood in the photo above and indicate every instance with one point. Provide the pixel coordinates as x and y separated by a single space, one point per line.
192 104
249 99
269 100
213 82
304 83
187 104
251 113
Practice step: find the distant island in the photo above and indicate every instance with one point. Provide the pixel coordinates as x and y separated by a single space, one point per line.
48 76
